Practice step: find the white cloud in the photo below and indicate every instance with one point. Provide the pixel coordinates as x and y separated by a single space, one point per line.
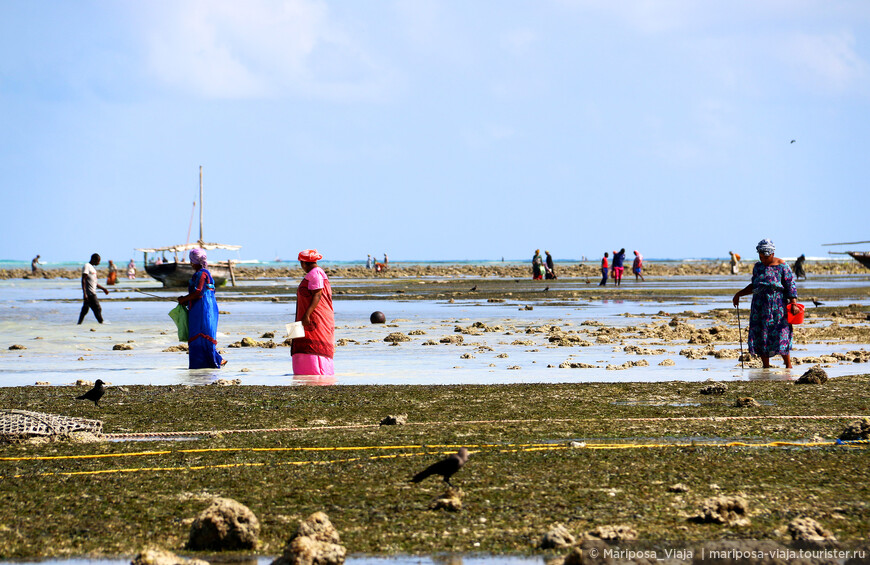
828 62
258 48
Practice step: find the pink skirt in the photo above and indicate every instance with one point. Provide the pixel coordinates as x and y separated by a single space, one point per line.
310 364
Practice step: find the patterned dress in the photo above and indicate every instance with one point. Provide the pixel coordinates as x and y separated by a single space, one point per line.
769 330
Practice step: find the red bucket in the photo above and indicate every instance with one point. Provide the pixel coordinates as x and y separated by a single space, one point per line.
795 313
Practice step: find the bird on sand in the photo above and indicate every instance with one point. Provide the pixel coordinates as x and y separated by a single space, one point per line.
95 393
793 140
816 303
546 288
446 467
474 288
588 281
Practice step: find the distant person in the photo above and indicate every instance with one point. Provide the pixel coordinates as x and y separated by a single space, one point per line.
604 270
735 262
386 259
89 289
637 266
773 290
34 265
131 270
368 261
158 261
202 320
550 267
113 274
313 354
537 266
618 260
798 268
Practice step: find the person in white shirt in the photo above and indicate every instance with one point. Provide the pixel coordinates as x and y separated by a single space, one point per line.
89 289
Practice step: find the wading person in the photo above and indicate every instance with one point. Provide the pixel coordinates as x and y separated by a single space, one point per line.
313 354
113 274
773 290
131 270
799 271
603 270
637 266
202 320
537 266
618 268
89 289
734 262
34 265
551 268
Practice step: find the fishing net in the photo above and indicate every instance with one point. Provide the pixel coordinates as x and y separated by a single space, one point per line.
16 424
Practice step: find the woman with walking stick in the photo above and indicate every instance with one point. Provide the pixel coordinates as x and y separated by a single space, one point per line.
773 290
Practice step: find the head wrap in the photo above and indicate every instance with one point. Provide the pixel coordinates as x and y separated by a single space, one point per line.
198 257
310 256
765 247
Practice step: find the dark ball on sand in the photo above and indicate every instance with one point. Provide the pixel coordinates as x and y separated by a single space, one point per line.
378 318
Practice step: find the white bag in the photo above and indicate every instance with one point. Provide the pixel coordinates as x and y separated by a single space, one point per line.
295 329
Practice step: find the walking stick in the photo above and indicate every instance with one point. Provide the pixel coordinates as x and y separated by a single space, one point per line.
740 337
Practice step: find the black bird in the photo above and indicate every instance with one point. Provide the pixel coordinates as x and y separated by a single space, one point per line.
816 303
95 393
546 288
473 288
446 467
793 140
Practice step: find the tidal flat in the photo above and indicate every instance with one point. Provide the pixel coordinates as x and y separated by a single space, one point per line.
286 452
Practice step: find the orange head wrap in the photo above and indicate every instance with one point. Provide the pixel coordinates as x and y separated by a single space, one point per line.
310 256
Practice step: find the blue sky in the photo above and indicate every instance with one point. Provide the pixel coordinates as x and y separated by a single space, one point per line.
434 129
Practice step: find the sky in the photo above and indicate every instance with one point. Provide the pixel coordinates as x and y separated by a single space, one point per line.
434 130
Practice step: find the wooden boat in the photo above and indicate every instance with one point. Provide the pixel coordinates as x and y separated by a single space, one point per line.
177 273
862 257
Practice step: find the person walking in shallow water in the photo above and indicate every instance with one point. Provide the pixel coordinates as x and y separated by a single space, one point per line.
551 268
313 354
89 289
618 260
203 316
637 266
34 265
773 290
603 270
735 262
799 271
537 266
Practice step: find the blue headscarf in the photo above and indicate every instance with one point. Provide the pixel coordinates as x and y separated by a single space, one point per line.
765 247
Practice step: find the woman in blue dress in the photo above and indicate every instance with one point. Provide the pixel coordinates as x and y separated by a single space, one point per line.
773 290
202 316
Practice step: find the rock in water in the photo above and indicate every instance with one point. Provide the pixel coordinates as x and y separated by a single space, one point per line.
225 525
815 376
316 542
746 402
378 317
859 429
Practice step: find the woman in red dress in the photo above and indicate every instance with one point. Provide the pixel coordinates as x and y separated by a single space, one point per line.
313 354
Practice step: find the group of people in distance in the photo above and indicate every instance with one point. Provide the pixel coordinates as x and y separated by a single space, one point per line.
378 267
617 268
543 268
311 354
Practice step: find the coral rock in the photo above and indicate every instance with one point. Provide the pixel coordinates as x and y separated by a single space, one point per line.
225 525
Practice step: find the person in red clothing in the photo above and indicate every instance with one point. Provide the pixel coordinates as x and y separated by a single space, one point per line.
603 270
313 354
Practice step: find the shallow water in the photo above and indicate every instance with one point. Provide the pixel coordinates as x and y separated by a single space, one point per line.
41 315
351 560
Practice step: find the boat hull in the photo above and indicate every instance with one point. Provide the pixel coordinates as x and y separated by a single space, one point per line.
862 257
175 275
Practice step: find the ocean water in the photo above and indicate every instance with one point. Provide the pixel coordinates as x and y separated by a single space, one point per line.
41 315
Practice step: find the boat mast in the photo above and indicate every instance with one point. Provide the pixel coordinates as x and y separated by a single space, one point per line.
200 205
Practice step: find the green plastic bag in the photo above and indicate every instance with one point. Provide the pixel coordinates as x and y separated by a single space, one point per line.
179 316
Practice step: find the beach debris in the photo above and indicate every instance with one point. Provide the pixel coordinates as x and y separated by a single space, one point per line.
83 382
378 317
514 368
416 332
526 307
225 524
227 382
158 556
576 444
495 299
42 383
122 347
268 335
466 356
612 533
815 376
808 532
643 350
316 541
223 312
396 337
16 346
667 363
450 500
557 537
715 388
429 342
179 348
395 420
575 365
16 425
727 354
726 510
502 356
244 370
679 487
456 339
628 365
746 402
859 429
